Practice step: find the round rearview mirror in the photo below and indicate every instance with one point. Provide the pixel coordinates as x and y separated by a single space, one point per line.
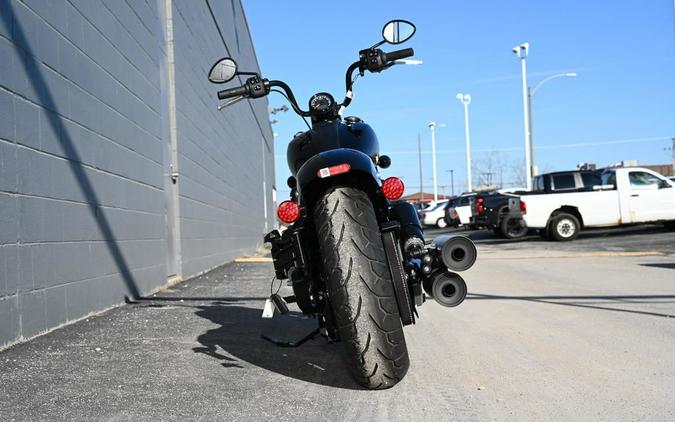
398 31
223 71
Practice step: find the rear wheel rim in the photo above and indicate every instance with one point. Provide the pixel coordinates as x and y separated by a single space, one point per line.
566 228
440 223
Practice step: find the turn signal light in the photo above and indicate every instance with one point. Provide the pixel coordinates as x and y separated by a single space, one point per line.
288 212
392 188
523 207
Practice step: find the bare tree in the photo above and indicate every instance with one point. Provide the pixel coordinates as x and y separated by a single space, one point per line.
489 168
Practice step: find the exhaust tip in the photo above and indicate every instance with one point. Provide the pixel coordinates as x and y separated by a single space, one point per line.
448 289
458 253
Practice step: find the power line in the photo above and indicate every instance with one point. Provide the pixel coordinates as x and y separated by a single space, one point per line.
574 145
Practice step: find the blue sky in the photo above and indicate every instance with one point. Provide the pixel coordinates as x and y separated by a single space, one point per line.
623 99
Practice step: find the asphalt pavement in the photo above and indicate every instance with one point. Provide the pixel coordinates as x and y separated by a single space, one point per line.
543 335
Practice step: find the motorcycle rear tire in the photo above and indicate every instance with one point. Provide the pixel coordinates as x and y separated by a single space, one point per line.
360 290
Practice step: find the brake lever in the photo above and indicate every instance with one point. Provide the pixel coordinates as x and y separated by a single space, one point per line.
230 102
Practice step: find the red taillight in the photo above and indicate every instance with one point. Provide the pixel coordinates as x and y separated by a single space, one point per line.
332 171
392 188
523 207
288 212
480 208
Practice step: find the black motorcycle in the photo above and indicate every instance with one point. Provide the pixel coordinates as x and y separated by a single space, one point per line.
354 255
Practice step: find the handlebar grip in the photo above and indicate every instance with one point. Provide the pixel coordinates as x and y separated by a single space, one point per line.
232 92
398 54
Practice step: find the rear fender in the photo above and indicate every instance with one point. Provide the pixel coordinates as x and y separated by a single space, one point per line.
362 175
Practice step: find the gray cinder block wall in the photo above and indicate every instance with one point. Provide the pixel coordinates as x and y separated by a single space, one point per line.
117 173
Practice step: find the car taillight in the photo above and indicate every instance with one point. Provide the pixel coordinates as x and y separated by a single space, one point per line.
392 188
480 208
334 170
288 212
523 207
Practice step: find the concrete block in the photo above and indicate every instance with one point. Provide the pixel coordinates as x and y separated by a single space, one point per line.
7 117
27 117
34 173
9 227
32 308
9 315
51 127
40 220
7 62
8 167
55 306
9 269
81 299
74 26
6 20
26 277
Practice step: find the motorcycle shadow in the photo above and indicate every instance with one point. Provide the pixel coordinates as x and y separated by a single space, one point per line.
238 334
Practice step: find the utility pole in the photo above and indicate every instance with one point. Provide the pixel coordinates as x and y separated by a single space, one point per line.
672 148
452 181
432 127
530 144
465 99
419 150
521 51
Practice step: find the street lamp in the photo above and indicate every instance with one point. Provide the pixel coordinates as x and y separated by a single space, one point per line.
521 51
530 96
466 100
432 126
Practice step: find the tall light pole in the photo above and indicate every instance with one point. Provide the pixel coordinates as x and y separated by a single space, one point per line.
466 100
530 97
419 150
432 127
521 51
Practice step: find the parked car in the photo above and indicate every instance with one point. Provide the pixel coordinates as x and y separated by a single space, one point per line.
566 181
458 210
500 212
433 215
625 196
419 206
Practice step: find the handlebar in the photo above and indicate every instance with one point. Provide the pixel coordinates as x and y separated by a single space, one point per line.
398 54
232 92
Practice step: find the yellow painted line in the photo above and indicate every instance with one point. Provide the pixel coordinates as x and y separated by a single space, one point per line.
576 255
254 259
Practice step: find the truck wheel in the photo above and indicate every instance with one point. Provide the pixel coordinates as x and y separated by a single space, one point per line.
441 224
564 227
360 290
513 227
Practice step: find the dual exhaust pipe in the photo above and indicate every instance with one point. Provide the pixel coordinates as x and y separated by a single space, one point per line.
455 253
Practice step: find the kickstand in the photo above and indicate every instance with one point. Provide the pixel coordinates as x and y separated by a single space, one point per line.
282 343
310 336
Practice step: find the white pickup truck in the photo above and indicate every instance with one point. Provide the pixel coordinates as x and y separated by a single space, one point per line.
627 196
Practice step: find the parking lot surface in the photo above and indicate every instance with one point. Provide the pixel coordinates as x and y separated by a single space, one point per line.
639 238
568 336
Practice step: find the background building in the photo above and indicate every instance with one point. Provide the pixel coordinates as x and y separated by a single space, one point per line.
117 173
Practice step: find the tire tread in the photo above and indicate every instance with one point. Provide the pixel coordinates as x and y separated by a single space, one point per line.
360 289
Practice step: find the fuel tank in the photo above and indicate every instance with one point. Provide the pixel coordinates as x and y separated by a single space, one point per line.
326 136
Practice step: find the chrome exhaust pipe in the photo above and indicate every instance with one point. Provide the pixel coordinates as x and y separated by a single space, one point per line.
458 253
448 289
